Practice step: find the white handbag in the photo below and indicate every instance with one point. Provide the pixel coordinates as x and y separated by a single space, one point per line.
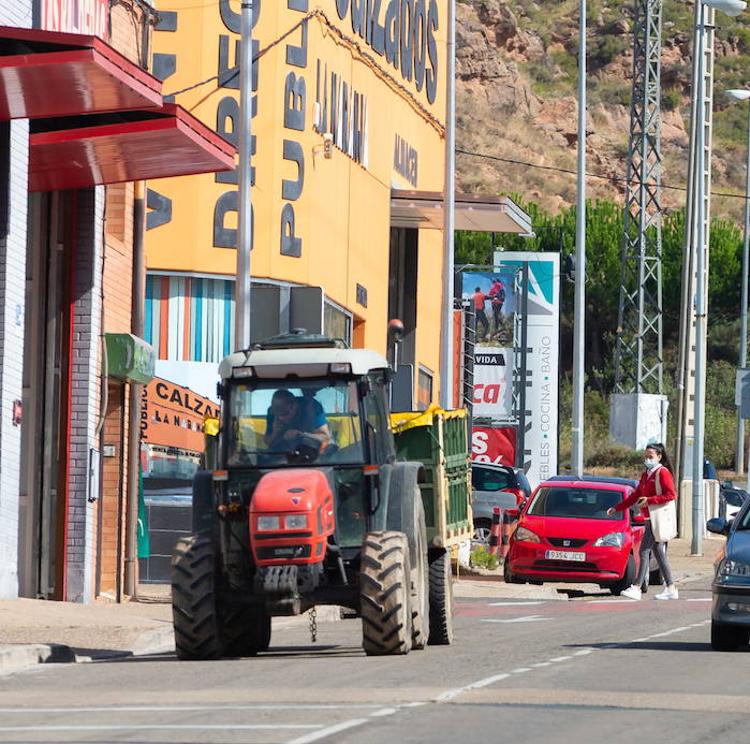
663 516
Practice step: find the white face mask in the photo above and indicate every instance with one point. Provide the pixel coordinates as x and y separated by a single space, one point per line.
650 462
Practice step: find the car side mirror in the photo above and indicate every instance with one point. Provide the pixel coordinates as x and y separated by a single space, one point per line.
718 526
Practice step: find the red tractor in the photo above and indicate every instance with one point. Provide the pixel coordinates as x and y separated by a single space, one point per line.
304 503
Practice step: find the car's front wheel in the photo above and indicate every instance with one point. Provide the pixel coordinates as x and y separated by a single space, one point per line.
482 531
627 579
728 637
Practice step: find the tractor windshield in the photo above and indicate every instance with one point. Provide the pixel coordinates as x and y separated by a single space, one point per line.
273 423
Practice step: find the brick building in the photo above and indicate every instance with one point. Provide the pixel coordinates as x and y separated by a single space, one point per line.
81 130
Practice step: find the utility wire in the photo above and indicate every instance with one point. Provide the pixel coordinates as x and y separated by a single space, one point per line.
602 176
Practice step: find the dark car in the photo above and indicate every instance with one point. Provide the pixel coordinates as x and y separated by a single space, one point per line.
495 485
731 500
730 614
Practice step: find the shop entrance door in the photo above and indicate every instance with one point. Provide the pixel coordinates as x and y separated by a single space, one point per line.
45 392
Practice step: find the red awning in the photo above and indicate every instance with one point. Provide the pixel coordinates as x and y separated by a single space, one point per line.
112 148
45 74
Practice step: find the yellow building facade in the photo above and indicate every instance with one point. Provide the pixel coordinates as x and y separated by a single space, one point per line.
349 106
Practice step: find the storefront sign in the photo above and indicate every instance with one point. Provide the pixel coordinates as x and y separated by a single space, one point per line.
173 415
496 446
401 30
405 160
90 17
129 357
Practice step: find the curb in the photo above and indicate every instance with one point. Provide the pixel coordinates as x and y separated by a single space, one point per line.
16 658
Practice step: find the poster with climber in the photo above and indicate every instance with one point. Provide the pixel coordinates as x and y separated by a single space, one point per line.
491 296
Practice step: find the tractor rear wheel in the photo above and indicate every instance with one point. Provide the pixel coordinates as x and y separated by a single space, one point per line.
441 600
195 614
385 594
246 630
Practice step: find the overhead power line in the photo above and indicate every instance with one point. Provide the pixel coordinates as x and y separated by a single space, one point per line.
568 171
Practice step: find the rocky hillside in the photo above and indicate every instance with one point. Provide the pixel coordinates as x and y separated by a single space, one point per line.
517 71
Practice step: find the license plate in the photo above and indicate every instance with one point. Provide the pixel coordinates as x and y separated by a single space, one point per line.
565 555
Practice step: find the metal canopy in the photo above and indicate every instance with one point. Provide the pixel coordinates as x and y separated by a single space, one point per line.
47 74
123 147
481 212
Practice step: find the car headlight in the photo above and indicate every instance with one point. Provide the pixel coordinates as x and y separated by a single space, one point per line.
729 567
267 524
296 522
611 540
525 535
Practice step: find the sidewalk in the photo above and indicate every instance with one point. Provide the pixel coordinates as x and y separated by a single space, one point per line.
36 631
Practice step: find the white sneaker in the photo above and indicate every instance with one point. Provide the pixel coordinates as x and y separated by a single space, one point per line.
669 592
632 592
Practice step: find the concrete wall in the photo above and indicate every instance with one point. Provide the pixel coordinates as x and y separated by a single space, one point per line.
13 207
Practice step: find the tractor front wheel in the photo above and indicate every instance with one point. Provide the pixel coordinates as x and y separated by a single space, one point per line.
385 594
246 630
195 614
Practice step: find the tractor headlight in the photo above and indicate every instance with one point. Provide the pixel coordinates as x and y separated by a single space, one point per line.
296 522
612 540
268 524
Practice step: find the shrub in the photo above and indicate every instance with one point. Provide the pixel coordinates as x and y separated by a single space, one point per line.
482 558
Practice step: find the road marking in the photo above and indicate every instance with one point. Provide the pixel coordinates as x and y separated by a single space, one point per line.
450 694
189 708
330 731
513 604
521 670
584 652
167 727
541 664
524 619
561 658
383 712
699 599
607 601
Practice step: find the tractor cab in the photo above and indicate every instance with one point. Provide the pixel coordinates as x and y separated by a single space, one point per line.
303 401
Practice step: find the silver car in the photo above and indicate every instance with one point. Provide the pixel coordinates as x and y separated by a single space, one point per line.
494 485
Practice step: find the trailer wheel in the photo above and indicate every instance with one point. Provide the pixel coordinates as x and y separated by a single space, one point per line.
195 615
441 600
385 594
247 631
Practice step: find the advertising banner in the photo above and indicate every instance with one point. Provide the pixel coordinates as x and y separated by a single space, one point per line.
538 421
89 17
492 299
496 446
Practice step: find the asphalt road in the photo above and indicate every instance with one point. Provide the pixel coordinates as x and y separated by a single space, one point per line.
592 669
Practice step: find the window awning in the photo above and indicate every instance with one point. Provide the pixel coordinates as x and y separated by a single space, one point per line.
481 212
78 152
45 74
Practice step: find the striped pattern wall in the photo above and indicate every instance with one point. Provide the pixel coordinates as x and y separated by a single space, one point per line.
189 319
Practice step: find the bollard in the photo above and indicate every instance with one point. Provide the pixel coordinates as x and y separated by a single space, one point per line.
510 517
495 532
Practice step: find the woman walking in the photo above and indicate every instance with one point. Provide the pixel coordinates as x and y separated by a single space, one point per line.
655 487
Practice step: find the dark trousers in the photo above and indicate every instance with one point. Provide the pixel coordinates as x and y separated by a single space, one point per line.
482 318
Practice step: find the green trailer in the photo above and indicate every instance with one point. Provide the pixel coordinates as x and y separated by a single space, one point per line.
439 440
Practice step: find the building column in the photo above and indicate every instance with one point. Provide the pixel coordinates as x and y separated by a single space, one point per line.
86 391
14 158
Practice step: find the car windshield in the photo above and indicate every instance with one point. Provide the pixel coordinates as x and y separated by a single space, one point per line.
274 424
743 521
577 503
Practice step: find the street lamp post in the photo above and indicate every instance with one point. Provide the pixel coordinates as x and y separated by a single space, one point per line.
245 209
743 95
732 8
577 427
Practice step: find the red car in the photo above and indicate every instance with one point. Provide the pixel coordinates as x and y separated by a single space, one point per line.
564 534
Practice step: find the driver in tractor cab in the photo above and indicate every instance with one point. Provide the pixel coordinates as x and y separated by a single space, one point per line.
290 417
